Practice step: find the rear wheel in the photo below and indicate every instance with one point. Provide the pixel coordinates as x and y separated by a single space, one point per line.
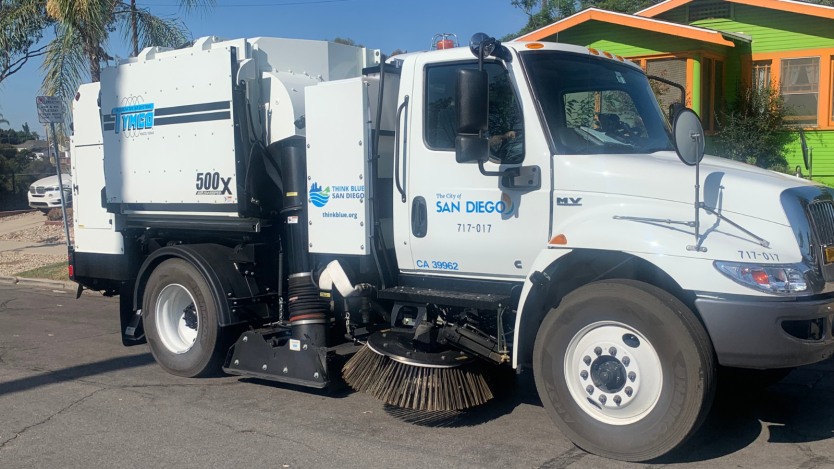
180 321
624 369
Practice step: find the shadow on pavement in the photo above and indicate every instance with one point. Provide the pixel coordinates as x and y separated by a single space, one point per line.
789 412
509 392
75 372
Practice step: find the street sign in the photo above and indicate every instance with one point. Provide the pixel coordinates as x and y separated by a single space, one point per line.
50 110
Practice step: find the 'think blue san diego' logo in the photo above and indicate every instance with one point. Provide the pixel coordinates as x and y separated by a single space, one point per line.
318 196
134 117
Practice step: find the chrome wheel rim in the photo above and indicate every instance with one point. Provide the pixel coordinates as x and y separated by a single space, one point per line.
177 318
613 373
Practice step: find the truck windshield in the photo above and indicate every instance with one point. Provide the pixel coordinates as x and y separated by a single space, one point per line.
593 105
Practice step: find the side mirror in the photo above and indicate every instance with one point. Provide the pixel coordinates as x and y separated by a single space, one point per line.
471 148
689 137
471 116
471 101
674 109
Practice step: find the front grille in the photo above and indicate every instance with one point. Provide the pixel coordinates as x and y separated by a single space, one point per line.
31 189
40 189
821 216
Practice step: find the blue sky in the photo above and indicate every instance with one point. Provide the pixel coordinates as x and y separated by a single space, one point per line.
377 24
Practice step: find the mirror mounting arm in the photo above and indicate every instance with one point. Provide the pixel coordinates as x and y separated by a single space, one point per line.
513 172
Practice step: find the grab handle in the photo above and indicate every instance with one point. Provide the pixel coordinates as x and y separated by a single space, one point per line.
400 188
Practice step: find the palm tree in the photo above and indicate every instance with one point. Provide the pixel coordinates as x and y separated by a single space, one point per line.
83 29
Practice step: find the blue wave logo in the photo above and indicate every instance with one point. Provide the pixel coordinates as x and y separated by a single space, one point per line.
318 196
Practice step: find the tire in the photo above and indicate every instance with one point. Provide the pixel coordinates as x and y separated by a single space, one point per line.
667 346
172 284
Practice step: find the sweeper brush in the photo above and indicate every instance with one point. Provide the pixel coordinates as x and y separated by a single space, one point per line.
389 370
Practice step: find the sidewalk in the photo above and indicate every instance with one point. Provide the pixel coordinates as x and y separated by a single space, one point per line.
55 249
17 223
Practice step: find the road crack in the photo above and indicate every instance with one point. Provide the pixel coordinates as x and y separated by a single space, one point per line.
565 459
46 420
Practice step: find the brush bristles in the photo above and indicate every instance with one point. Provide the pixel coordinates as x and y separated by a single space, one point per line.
415 387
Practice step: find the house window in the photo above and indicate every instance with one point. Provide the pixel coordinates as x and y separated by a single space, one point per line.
506 127
670 69
712 10
761 74
800 86
712 93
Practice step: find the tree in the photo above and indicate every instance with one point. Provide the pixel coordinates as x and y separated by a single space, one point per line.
21 27
346 41
754 128
83 28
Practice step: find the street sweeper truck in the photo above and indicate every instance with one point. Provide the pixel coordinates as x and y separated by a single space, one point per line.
315 214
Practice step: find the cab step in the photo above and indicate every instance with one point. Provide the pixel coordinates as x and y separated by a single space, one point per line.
445 297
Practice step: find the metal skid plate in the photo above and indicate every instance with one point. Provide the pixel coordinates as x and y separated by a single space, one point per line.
294 362
338 144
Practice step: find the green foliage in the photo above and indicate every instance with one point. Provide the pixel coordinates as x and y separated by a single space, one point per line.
83 31
346 41
16 137
22 23
57 271
755 129
19 169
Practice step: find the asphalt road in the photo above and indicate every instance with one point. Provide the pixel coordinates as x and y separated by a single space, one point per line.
72 397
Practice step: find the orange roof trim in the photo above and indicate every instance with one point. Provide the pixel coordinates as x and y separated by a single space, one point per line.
792 6
665 27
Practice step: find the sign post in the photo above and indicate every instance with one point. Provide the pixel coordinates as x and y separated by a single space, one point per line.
51 111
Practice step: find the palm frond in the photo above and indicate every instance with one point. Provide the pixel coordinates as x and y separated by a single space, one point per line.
153 30
65 66
196 6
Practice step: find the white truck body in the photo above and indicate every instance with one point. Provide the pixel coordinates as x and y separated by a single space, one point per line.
159 149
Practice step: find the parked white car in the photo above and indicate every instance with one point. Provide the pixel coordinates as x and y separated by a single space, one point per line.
44 195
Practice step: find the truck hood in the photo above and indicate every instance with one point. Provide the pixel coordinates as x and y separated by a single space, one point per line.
727 185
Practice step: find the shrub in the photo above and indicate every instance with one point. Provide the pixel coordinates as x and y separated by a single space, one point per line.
56 215
755 130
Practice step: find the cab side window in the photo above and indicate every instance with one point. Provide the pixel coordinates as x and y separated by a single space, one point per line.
506 127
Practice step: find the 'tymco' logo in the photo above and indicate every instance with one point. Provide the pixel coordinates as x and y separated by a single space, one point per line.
318 196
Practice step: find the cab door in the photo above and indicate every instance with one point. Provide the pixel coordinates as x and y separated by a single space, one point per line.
463 223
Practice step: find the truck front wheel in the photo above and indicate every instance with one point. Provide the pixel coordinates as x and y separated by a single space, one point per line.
181 321
624 369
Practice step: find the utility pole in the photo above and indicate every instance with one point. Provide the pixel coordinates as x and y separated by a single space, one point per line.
134 26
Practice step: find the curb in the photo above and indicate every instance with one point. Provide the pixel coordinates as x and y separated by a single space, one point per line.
15 212
42 282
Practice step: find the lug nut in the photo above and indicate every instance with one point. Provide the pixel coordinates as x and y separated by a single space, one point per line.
587 360
632 376
612 351
626 361
584 374
628 391
598 351
602 399
590 389
617 400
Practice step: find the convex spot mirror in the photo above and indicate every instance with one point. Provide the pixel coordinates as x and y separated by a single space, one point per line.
471 115
689 137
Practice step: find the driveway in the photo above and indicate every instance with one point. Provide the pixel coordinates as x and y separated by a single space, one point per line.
72 397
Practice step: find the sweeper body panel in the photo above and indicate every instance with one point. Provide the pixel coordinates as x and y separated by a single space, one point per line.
274 207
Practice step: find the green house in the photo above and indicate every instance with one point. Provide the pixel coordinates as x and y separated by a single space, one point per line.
713 46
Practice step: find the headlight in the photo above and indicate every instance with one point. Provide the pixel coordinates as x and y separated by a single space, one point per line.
50 189
776 279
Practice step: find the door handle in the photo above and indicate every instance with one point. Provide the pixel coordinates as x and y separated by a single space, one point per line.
419 217
400 188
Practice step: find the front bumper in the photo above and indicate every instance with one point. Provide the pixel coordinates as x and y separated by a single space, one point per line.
750 333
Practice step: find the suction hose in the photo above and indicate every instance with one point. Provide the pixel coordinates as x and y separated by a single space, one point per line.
307 310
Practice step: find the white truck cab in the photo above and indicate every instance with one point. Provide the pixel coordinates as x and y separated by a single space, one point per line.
522 204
